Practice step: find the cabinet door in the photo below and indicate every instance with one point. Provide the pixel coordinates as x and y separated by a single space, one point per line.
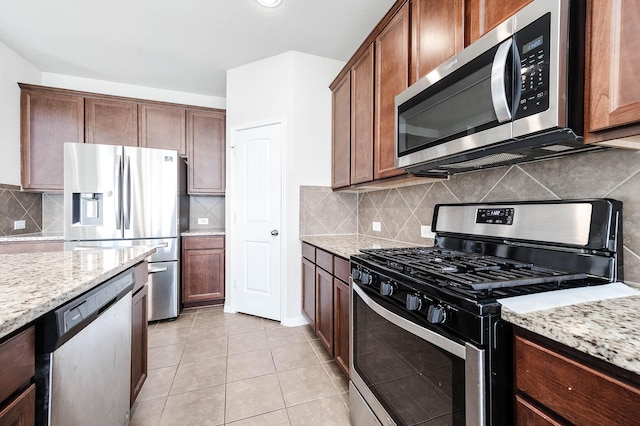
309 292
139 338
530 415
202 270
341 133
392 77
206 152
111 122
324 308
47 121
437 33
613 91
163 127
22 410
341 324
362 118
483 15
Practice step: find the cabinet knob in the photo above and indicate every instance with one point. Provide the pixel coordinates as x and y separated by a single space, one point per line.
275 232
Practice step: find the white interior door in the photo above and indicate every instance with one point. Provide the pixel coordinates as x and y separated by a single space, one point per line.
257 220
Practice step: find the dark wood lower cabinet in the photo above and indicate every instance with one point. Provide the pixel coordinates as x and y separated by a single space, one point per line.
202 270
324 308
556 385
341 324
17 368
21 411
309 291
139 339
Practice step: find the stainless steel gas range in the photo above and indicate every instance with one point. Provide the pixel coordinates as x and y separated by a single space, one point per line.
428 346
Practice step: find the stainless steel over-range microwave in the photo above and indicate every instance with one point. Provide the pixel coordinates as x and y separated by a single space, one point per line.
514 95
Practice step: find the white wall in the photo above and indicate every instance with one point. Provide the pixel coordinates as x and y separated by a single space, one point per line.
130 90
293 88
13 69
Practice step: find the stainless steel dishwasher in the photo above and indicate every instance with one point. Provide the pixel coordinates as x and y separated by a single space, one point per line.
84 362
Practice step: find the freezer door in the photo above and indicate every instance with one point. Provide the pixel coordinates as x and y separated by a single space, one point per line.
150 193
92 191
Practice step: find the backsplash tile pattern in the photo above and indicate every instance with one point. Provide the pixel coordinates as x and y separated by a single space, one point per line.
324 212
609 174
52 213
209 207
18 205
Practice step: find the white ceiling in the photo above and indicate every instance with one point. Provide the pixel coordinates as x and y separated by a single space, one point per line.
179 45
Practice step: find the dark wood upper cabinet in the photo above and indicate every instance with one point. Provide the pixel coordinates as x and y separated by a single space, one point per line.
392 77
481 16
613 65
111 122
437 33
162 127
362 100
47 121
206 152
341 133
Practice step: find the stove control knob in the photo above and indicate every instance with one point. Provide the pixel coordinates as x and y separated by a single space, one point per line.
436 314
355 273
387 288
413 302
366 278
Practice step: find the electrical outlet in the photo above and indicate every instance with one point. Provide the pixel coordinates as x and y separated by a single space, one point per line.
203 221
425 232
19 224
377 226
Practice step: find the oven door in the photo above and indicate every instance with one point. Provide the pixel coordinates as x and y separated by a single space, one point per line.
406 374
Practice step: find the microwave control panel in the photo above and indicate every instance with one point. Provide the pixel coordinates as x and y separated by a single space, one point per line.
533 47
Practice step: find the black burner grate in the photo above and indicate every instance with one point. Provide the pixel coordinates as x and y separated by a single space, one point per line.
473 271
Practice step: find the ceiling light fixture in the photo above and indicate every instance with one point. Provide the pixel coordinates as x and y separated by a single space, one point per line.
269 3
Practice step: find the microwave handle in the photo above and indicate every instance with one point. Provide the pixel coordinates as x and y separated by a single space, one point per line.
498 86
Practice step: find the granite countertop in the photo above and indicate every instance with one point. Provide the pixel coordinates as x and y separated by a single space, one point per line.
31 237
202 232
606 329
350 244
33 284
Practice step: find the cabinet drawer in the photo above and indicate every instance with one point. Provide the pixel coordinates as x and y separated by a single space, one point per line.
309 252
202 242
574 390
530 415
341 269
17 362
324 260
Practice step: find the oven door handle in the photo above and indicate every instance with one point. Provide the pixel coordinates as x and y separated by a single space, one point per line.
426 334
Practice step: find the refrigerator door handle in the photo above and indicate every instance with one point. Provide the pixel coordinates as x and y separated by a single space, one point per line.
118 204
126 184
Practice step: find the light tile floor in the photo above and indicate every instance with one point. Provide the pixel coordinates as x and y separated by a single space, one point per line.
213 368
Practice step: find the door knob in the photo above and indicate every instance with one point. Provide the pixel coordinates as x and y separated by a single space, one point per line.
274 232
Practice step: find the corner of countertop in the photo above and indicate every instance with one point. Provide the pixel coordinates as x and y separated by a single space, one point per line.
202 232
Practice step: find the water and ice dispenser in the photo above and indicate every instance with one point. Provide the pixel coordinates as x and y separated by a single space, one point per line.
87 208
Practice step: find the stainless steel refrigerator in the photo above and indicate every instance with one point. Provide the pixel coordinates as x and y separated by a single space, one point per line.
126 196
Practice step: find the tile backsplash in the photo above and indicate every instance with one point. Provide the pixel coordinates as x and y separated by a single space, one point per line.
17 205
206 207
324 212
402 211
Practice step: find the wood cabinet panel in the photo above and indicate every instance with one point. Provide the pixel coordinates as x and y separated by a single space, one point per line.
481 16
202 270
341 269
341 133
21 411
206 152
162 127
309 252
613 66
392 77
528 414
309 291
341 324
47 120
362 100
437 33
139 339
324 260
111 122
575 391
17 362
324 308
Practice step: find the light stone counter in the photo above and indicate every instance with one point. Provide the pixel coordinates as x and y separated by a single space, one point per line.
347 245
203 232
31 237
32 284
606 329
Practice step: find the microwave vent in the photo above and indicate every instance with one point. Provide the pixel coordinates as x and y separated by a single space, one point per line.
485 161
